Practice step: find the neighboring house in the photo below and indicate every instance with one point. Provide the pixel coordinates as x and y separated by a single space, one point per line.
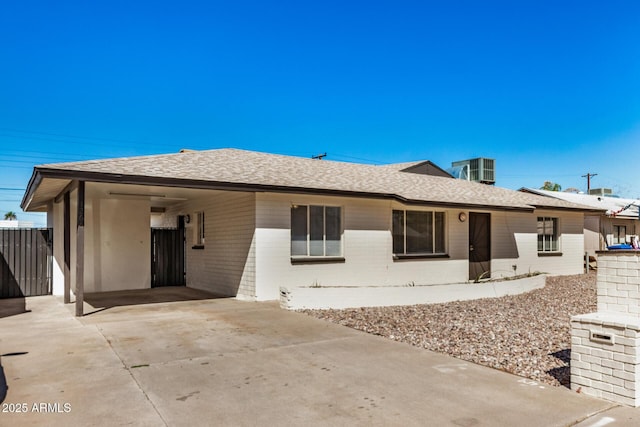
618 222
255 222
13 223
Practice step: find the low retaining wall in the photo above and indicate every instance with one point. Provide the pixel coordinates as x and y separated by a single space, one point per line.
384 296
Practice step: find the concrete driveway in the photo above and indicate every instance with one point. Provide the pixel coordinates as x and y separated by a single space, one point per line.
182 358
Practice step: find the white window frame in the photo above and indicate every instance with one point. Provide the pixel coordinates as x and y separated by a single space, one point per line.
547 243
326 250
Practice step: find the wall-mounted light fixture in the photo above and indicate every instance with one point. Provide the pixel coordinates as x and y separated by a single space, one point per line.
462 216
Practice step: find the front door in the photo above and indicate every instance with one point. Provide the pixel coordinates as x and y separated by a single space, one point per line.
167 256
479 246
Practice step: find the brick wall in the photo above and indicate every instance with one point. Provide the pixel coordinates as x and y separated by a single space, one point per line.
226 263
608 370
619 282
605 346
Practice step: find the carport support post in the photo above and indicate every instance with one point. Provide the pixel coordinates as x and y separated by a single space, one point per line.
80 252
67 248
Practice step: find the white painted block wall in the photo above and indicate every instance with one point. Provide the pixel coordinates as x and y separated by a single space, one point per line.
515 242
55 220
117 244
368 254
226 265
367 248
606 370
605 346
619 283
247 248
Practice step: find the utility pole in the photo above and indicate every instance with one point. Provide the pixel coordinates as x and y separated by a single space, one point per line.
589 176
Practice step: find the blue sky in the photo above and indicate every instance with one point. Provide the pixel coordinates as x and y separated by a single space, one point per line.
551 90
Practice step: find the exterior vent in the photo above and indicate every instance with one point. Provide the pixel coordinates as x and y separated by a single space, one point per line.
479 170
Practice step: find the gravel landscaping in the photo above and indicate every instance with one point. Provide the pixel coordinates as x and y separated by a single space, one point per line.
527 334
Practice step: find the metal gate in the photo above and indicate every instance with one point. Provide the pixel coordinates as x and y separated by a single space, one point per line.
167 257
25 262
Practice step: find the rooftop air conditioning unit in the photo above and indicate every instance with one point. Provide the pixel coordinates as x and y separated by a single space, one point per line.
601 192
479 170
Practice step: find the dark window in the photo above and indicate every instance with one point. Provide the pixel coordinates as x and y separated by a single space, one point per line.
418 232
200 231
299 230
619 234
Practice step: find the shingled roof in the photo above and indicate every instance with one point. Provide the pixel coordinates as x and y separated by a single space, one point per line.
234 169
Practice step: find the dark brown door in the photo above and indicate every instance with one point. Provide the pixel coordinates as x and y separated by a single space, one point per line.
167 256
479 246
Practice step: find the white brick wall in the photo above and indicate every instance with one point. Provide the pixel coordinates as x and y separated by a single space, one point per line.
610 371
619 283
226 265
367 248
514 241
247 251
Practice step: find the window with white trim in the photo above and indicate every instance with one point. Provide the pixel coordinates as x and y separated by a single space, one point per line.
548 237
418 232
316 231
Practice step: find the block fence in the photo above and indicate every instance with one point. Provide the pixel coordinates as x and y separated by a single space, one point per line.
605 346
619 282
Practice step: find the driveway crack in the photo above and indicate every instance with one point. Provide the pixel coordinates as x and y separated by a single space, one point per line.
133 377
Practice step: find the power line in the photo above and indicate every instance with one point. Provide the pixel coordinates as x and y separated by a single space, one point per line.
42 156
66 141
359 158
72 136
90 138
28 162
534 175
17 167
12 152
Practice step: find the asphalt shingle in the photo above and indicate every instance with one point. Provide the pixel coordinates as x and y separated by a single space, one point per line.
240 167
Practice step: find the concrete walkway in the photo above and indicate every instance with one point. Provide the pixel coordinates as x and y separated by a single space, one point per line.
177 359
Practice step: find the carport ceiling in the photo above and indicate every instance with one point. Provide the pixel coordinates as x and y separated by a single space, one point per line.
159 196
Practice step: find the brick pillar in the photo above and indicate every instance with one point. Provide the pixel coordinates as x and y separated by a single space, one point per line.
605 346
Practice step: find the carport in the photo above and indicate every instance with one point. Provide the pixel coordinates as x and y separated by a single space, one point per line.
122 232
